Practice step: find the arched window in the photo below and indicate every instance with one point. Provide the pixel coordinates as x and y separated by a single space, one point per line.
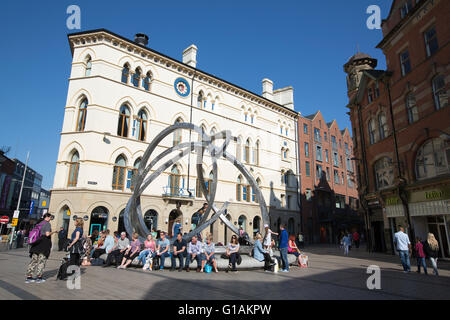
433 159
141 125
208 182
247 151
238 188
384 173
119 173
213 132
82 114
411 108
174 180
137 77
372 132
121 224
88 66
238 149
177 134
242 222
146 81
99 219
151 219
439 92
74 166
382 125
256 225
125 73
200 99
133 173
124 121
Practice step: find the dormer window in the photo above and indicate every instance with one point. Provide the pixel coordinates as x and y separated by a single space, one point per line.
405 8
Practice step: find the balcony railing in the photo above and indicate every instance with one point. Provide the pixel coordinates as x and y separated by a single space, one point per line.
177 192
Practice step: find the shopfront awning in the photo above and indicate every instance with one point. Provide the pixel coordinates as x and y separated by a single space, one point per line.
429 208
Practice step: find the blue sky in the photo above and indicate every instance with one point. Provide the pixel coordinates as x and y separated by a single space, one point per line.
296 43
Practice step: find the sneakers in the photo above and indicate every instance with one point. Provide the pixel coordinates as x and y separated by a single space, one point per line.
29 280
40 280
284 270
161 268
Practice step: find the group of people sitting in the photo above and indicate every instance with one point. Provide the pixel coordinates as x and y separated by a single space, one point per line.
157 247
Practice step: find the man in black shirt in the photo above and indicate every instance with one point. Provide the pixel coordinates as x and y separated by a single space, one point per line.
179 251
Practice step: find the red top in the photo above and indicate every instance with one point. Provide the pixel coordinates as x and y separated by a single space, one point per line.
419 250
356 236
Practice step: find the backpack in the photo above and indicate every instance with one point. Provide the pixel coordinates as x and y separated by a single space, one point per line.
35 234
62 272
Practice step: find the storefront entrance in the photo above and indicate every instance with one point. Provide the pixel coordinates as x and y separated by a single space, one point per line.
437 226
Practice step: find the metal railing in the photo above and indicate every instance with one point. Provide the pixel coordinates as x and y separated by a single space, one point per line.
178 192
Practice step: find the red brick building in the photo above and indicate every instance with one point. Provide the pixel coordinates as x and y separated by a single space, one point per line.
401 125
328 185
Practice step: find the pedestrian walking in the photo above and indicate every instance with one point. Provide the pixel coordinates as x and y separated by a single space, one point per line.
401 240
40 251
356 239
431 248
420 254
347 242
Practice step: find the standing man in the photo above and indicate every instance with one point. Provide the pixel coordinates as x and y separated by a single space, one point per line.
176 228
356 238
179 251
403 244
284 238
40 251
62 239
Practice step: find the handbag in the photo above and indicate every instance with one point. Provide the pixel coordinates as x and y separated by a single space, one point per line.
208 268
77 248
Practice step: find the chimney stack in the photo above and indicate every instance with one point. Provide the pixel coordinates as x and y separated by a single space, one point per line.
285 97
141 39
190 55
267 89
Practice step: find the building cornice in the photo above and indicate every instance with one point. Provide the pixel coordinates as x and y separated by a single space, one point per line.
94 36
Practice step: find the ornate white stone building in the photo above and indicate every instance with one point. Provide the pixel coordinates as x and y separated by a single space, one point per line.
122 94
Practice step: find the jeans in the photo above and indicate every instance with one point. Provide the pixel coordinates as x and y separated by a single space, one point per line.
163 257
404 257
116 255
421 262
232 260
143 256
198 257
180 257
284 258
434 264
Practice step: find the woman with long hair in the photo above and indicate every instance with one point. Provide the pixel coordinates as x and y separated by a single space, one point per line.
431 248
233 252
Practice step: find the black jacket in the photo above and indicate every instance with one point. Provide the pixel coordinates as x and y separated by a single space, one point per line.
430 252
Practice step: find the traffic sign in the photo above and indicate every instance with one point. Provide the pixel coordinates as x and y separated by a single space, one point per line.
14 222
31 207
16 213
4 219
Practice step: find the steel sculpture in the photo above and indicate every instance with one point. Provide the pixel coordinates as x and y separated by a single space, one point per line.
133 219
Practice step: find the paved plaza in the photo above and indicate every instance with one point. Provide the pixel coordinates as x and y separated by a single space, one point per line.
330 276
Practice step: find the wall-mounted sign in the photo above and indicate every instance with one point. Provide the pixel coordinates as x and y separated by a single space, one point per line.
392 201
114 219
74 217
92 182
85 218
182 87
442 193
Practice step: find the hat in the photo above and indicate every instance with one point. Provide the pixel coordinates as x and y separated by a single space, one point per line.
266 226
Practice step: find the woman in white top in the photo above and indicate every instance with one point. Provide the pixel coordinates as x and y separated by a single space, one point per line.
233 252
268 238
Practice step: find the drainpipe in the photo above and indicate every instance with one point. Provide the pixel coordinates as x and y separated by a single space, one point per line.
297 164
366 183
190 132
401 187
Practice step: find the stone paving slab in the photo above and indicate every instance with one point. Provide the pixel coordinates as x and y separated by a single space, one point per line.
330 276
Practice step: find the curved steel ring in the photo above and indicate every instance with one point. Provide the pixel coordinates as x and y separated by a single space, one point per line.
133 219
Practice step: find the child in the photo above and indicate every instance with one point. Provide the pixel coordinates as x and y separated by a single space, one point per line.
420 254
